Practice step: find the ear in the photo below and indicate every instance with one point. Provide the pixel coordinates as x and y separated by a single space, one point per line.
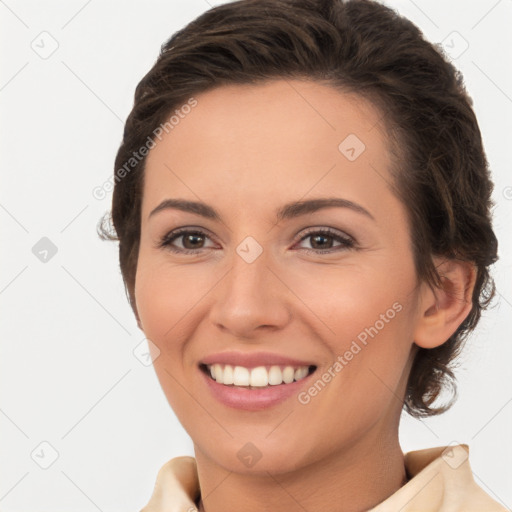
443 309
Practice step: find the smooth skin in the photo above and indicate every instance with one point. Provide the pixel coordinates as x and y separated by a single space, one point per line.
247 150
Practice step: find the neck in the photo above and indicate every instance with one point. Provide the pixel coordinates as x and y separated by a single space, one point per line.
352 480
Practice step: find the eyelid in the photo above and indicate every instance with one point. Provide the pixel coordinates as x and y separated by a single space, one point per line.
325 230
346 241
175 234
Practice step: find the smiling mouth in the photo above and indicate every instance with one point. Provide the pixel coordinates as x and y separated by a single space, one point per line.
256 378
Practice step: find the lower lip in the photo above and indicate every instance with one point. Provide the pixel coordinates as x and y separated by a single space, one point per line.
253 399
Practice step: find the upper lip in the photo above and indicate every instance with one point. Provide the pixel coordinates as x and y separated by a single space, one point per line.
253 359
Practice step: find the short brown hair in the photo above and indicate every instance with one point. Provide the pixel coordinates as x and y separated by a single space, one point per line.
441 173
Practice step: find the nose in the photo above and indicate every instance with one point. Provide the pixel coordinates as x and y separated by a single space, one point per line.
251 299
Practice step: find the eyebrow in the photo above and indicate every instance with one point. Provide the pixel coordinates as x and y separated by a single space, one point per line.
288 211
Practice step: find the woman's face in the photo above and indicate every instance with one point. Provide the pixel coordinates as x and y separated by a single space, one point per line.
263 287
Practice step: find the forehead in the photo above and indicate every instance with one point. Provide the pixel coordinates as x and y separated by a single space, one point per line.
260 141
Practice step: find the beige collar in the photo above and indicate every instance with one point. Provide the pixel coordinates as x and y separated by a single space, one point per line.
441 480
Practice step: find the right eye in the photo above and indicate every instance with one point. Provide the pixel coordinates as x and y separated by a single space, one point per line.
193 238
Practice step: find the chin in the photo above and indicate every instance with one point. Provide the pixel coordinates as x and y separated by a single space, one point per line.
259 457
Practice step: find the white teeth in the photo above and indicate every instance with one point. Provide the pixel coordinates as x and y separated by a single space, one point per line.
288 374
260 376
275 376
228 374
218 370
300 373
240 376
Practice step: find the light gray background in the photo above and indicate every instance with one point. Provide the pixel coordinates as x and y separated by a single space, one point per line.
68 373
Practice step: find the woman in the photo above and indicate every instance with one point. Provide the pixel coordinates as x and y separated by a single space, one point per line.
302 204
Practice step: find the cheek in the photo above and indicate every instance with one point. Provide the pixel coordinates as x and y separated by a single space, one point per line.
364 317
165 304
353 301
167 298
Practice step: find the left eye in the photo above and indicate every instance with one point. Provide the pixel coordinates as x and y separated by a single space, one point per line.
193 241
319 237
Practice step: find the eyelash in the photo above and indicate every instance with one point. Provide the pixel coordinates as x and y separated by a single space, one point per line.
346 241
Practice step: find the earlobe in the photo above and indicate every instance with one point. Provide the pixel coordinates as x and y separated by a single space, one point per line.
444 308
